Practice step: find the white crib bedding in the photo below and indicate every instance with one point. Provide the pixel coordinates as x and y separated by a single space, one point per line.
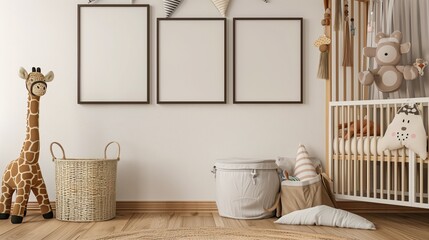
354 146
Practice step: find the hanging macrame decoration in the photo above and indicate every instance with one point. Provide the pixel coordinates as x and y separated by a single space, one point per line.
221 5
338 16
170 6
348 54
323 43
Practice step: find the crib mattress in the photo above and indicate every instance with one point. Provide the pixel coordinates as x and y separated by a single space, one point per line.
362 145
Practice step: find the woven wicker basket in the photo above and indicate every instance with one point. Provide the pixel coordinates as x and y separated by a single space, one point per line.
85 188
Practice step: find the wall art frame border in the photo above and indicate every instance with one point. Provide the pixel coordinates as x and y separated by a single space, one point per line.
132 87
244 61
221 61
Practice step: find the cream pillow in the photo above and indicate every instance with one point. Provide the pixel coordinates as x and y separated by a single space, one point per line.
406 129
304 168
326 216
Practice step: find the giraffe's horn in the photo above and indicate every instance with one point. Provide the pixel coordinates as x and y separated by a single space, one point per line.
38 69
33 69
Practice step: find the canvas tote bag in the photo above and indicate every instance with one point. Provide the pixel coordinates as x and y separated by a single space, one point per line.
297 195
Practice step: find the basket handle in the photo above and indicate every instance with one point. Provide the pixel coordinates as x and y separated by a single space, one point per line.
52 152
107 146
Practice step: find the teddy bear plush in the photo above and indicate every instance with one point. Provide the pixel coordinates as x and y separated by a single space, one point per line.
388 76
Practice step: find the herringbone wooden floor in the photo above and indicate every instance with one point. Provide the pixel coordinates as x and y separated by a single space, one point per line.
389 226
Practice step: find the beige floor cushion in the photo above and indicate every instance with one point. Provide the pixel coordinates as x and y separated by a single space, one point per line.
326 216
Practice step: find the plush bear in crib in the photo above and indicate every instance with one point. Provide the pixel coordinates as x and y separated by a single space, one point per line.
406 129
388 75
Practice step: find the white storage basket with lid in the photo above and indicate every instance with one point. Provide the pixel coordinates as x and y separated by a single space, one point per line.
245 188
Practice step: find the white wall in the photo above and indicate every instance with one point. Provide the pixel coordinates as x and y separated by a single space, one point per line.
167 150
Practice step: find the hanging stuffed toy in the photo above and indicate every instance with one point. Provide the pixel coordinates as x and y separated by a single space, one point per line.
406 129
389 75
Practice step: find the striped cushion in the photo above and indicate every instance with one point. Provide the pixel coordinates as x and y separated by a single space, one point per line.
170 6
304 167
221 5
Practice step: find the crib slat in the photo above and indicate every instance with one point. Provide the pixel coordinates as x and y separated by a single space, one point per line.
421 180
344 152
374 167
382 153
350 151
389 155
337 139
356 153
368 172
361 152
403 183
395 178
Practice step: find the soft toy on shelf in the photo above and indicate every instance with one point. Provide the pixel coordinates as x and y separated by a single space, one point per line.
388 75
23 174
406 129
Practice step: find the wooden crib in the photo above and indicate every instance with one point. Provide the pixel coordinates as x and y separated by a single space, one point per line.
360 169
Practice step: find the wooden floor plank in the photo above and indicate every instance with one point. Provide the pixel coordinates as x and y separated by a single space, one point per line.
198 220
175 221
108 227
234 223
70 230
6 225
218 220
27 229
137 221
389 226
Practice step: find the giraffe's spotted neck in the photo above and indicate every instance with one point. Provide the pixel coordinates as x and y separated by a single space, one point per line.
31 146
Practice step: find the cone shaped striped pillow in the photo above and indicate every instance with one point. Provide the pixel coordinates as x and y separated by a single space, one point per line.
222 5
170 6
304 168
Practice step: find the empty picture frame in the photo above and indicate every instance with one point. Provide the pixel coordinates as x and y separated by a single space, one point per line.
267 60
113 53
191 57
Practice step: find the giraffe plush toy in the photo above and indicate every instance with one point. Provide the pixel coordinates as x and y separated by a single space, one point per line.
23 174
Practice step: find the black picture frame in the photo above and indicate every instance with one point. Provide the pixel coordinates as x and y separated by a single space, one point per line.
183 87
257 34
132 87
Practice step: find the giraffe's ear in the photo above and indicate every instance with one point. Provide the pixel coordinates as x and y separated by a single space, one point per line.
23 73
49 76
